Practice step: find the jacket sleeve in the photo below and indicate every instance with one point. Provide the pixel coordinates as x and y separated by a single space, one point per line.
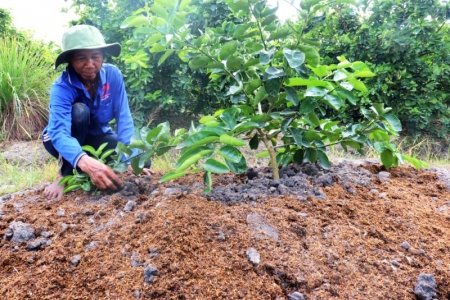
60 123
122 114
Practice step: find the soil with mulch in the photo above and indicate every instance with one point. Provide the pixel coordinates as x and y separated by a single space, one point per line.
356 231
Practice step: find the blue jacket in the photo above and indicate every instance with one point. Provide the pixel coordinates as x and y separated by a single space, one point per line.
110 102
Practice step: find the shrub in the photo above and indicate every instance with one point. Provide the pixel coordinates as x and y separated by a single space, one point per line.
25 77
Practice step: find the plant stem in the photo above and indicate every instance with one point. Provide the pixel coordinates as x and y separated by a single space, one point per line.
272 155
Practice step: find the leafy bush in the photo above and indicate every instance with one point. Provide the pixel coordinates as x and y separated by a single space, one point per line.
25 77
281 91
406 43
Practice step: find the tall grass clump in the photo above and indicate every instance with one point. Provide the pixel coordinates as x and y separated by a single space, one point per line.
26 74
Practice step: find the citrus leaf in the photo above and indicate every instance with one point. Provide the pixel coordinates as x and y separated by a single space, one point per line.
213 166
386 158
295 58
230 153
228 49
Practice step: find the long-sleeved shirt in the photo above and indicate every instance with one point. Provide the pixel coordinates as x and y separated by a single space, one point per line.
110 102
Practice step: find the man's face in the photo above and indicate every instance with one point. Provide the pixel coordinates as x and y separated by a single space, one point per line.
87 63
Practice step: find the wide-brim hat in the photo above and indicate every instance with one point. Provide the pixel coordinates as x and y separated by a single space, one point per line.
84 37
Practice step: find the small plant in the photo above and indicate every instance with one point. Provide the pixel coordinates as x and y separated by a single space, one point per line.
281 94
78 180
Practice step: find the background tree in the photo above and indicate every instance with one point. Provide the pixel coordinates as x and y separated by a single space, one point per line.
406 43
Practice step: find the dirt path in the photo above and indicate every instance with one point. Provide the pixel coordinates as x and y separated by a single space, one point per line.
355 232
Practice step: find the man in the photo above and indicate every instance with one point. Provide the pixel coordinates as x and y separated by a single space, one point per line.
83 100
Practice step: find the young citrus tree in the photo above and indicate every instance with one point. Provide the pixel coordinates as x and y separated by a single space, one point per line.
280 91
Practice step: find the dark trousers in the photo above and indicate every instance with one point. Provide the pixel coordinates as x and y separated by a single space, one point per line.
80 125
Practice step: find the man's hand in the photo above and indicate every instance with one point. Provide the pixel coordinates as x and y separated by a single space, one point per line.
145 171
102 175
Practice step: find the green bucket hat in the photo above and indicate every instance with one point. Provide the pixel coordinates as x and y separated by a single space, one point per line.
84 37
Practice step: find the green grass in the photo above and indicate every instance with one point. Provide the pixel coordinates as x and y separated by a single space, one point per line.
14 177
432 151
165 162
26 74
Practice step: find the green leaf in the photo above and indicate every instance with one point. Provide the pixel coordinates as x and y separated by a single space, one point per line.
296 82
297 134
234 89
254 142
379 135
334 101
261 118
207 178
232 141
144 158
364 73
190 161
159 11
137 144
234 63
237 168
134 21
298 156
291 96
358 85
106 154
152 134
213 166
228 49
135 165
281 33
171 176
323 160
261 94
86 186
269 20
311 54
321 71
199 62
266 57
315 92
72 188
310 155
206 119
121 167
394 122
230 153
241 29
308 105
272 72
228 116
199 139
65 179
191 152
387 158
263 154
295 58
100 149
89 149
346 94
166 55
340 75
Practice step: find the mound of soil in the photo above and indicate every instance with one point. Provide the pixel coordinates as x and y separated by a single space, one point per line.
352 232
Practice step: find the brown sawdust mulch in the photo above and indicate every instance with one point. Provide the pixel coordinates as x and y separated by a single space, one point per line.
341 248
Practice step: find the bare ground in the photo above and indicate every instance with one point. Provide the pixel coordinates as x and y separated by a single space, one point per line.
357 231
